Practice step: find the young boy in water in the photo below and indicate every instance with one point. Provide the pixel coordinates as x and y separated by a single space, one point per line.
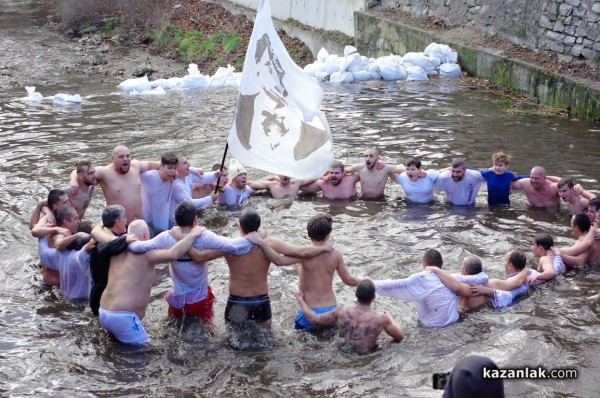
498 179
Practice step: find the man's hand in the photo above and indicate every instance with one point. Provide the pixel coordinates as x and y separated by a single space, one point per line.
73 190
254 238
200 173
90 245
328 246
597 234
176 232
531 279
299 295
197 231
131 238
263 232
214 196
380 165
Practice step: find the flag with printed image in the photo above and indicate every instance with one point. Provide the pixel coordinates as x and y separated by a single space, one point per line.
278 126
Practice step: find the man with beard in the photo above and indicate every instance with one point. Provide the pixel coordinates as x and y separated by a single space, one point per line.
460 184
373 177
85 177
337 185
157 189
539 189
120 181
281 186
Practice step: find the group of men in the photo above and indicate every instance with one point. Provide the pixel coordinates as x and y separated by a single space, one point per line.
115 269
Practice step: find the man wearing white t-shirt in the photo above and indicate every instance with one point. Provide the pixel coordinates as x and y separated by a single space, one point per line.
157 189
417 188
460 184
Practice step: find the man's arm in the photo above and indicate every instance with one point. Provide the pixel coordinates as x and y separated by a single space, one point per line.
510 283
62 242
580 247
393 329
202 256
451 282
40 210
575 261
258 185
519 184
101 235
271 254
42 228
314 187
288 249
343 272
324 319
146 165
177 250
546 273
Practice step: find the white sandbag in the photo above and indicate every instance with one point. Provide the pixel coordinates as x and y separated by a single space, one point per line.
374 70
62 98
315 67
194 81
415 73
362 75
322 55
341 77
391 68
332 64
354 62
349 50
441 51
223 77
418 59
139 84
32 95
450 70
172 83
321 75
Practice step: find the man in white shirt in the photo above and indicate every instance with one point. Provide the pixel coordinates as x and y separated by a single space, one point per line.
236 191
157 189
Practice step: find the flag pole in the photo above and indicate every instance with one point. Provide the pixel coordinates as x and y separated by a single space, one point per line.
222 163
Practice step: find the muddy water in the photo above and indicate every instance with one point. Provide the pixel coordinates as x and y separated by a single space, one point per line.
50 346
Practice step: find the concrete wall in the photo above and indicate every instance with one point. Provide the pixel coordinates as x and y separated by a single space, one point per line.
320 14
569 28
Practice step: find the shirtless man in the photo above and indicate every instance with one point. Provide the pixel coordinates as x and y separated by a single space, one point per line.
372 178
539 189
120 181
550 265
359 324
127 294
586 249
338 185
576 201
157 190
80 199
281 186
316 273
248 279
65 233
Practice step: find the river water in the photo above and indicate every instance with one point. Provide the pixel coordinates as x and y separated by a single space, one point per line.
50 346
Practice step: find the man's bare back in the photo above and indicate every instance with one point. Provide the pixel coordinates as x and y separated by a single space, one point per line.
248 273
361 327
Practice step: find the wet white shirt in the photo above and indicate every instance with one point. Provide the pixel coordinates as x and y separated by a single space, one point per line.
233 196
421 190
436 304
182 190
463 192
73 266
156 199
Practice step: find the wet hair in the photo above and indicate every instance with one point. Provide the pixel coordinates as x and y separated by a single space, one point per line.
518 259
82 166
472 265
54 196
319 226
63 213
567 181
111 214
249 221
500 157
85 226
595 203
217 166
365 291
582 221
169 159
458 163
336 164
414 162
544 240
433 258
185 213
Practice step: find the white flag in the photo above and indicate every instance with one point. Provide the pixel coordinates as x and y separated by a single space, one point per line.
278 126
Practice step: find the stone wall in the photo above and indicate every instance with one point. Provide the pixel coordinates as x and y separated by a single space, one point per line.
569 28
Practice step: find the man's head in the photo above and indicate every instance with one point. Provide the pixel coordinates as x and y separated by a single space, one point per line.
565 189
580 224
121 159
185 214
237 174
249 221
500 162
319 227
471 265
365 291
372 156
168 166
57 198
541 243
66 217
458 169
514 261
593 209
433 258
86 172
139 229
225 174
413 167
113 218
537 177
336 172
284 180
